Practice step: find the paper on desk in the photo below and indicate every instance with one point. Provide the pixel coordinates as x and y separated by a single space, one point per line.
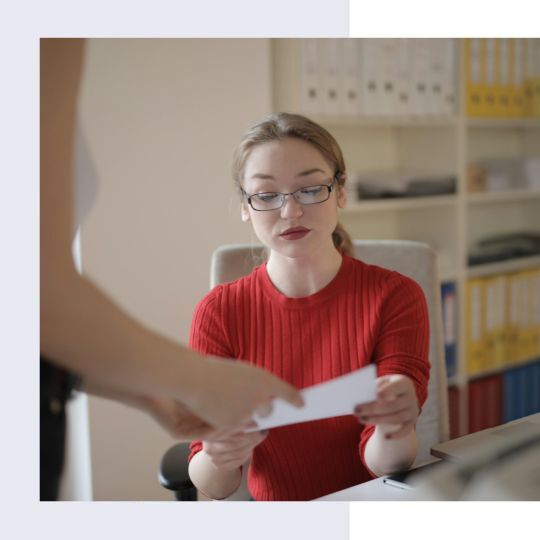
326 400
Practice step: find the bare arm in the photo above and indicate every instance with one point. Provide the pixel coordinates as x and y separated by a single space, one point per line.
171 414
216 469
393 445
385 456
81 328
215 483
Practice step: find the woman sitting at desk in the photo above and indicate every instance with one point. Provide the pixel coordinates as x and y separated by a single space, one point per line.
309 314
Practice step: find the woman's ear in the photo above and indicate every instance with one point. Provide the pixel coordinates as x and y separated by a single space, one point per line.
244 212
341 196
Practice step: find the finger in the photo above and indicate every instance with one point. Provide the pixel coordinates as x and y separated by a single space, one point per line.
383 381
252 425
245 440
220 456
236 443
393 391
383 407
265 409
288 393
397 417
220 434
394 418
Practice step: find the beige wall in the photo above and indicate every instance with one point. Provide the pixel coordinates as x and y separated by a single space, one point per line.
161 118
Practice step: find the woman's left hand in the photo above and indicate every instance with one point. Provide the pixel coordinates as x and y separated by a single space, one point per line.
396 409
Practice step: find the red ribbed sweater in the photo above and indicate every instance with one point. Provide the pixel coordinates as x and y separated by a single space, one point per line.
365 314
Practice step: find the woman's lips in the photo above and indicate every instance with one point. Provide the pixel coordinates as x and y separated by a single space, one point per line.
294 233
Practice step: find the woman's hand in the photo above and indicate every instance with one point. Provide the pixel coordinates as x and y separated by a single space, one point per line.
396 409
231 452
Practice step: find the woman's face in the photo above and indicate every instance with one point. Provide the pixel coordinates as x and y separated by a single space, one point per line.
294 230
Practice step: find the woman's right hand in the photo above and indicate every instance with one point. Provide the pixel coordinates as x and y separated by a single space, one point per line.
230 453
227 393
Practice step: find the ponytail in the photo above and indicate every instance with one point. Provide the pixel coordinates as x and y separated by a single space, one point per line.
342 241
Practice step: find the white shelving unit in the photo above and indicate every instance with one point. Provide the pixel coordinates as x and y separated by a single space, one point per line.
502 196
432 145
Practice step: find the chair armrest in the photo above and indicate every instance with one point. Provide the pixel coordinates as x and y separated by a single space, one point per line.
173 473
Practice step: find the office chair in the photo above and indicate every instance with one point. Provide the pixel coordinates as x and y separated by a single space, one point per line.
412 259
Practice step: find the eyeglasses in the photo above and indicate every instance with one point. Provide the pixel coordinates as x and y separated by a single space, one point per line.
271 200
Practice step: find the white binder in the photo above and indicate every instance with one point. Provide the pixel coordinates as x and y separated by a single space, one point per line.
331 59
449 93
419 76
388 75
310 77
403 78
350 77
371 77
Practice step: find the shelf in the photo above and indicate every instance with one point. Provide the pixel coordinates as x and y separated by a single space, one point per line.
502 196
446 276
406 203
385 121
503 368
503 267
449 223
512 123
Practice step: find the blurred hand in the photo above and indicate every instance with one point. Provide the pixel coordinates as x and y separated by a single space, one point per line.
231 452
228 393
180 421
396 409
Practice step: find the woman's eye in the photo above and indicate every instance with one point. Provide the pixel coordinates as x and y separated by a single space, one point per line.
266 197
315 190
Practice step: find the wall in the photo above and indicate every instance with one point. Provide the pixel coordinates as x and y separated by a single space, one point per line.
161 119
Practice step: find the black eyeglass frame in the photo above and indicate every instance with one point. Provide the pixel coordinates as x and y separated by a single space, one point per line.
284 196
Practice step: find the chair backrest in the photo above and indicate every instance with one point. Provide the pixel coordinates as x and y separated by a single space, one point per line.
412 259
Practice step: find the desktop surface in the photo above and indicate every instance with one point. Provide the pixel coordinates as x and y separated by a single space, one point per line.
373 490
458 449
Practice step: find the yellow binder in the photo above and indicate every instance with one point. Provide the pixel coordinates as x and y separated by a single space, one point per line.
503 84
534 77
523 316
531 335
474 321
474 75
517 82
529 74
495 322
490 105
512 318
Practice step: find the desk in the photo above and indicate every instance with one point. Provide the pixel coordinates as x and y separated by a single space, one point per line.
504 460
374 490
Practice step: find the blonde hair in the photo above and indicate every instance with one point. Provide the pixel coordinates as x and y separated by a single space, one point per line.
279 126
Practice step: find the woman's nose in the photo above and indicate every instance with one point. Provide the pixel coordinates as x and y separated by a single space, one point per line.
291 207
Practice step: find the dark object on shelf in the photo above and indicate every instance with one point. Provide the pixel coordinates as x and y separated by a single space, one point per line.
422 187
505 246
374 191
400 187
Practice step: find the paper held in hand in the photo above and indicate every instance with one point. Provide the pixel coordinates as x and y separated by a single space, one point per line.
336 397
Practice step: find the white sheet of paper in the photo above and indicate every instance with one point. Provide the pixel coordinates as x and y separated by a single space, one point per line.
336 397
